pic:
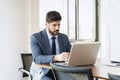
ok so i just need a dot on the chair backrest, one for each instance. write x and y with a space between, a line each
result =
71 73
113 77
26 60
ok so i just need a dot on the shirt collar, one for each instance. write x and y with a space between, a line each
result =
49 35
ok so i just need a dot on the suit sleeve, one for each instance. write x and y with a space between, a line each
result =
68 44
38 56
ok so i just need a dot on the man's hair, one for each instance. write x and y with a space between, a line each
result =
53 16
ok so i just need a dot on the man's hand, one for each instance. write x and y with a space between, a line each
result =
61 57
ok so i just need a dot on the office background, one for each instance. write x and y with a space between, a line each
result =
20 18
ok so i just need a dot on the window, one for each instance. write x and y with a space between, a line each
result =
86 20
78 17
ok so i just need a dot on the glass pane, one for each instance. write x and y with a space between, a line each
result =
71 19
87 20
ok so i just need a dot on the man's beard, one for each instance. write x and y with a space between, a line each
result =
54 32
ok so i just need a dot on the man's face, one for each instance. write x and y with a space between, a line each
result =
53 27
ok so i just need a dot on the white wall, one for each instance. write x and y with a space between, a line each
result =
115 29
35 16
105 29
109 29
14 36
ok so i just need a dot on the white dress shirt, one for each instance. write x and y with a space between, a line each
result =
50 41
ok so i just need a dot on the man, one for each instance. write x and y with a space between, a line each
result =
42 46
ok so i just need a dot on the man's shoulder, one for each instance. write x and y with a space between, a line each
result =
36 34
40 33
62 35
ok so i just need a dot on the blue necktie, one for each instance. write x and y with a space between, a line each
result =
53 46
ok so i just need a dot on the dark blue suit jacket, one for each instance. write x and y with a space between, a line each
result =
41 50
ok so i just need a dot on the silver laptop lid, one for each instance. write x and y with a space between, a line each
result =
83 53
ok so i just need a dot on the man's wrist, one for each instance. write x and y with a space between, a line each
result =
54 58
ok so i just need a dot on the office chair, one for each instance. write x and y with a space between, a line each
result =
113 77
26 60
71 73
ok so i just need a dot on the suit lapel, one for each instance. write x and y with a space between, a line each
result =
47 44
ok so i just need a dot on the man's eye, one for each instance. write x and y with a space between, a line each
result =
54 25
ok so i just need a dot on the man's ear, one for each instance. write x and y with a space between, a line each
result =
46 24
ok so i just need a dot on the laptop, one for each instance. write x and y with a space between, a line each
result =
82 53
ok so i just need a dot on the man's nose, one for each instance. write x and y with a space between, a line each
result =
57 27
